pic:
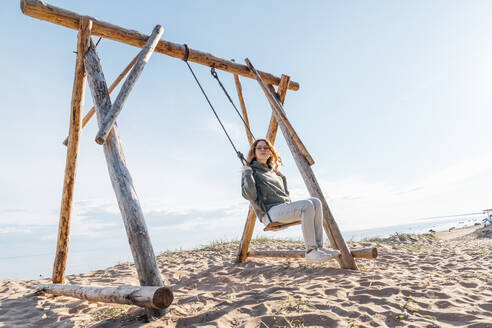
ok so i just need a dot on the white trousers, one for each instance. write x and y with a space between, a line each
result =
310 212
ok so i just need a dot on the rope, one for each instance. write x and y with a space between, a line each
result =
185 59
97 43
214 74
238 153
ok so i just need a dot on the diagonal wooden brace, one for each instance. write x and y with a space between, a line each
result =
131 212
111 116
113 86
331 227
280 115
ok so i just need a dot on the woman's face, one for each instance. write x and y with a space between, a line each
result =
262 152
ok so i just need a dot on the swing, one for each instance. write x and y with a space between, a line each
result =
272 226
276 226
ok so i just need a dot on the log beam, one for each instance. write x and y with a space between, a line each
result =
367 253
76 106
131 212
41 10
130 81
151 297
113 86
336 239
286 254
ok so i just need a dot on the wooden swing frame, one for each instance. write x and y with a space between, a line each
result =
88 68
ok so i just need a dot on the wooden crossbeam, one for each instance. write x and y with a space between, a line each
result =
42 10
367 253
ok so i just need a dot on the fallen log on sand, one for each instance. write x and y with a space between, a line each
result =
145 296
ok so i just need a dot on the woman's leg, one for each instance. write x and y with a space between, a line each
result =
300 210
318 221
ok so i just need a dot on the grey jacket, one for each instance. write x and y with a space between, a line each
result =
260 179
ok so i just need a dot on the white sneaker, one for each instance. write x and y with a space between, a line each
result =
330 252
316 256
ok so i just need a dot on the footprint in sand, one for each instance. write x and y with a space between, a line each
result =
486 306
468 284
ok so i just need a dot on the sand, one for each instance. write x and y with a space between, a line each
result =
439 280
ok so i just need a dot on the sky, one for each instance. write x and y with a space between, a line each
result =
394 106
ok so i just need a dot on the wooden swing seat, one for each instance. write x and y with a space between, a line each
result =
276 226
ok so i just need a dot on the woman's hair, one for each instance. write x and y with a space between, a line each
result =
274 159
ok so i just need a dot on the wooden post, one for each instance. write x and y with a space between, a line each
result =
331 227
136 229
144 57
239 90
76 106
281 92
42 10
145 296
249 226
113 86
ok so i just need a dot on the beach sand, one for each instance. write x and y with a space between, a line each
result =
439 280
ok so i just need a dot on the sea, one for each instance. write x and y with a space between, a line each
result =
24 255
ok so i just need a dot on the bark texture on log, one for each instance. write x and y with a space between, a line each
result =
336 239
44 11
145 296
138 236
77 103
113 86
130 81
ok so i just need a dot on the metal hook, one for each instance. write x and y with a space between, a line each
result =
213 72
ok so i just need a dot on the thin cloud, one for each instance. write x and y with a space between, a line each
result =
13 210
358 203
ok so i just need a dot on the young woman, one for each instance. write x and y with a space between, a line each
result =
266 188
